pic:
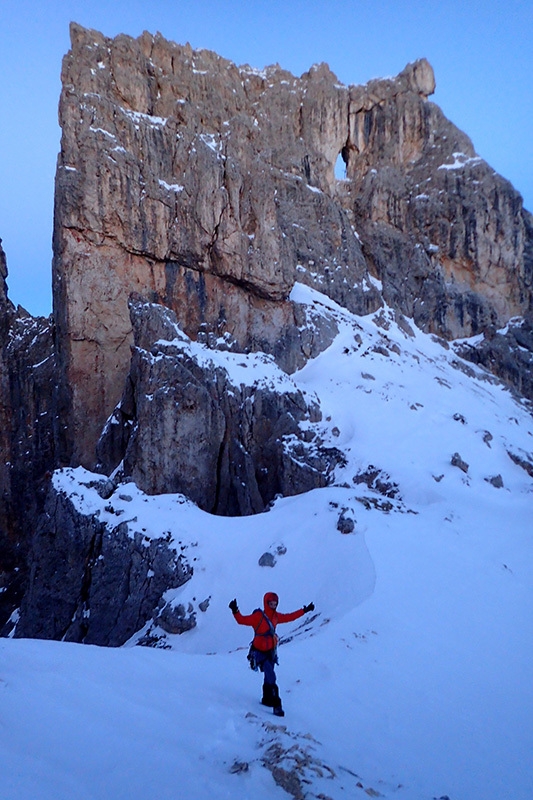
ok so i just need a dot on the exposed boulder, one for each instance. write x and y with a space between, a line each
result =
176 619
457 461
345 523
523 460
267 560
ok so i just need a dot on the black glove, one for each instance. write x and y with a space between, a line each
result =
310 607
234 607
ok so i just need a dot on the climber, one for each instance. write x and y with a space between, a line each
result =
263 650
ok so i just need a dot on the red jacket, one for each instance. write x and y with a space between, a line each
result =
263 639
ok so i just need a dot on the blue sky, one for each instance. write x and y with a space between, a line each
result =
481 52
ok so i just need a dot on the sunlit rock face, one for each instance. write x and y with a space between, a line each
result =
211 188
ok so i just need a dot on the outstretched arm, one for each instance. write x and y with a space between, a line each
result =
296 614
247 619
242 619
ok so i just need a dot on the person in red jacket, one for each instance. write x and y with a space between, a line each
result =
263 650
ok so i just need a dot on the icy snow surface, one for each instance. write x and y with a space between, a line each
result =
412 679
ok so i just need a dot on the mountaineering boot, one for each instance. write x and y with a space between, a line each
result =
276 702
268 696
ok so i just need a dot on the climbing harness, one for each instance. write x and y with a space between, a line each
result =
256 657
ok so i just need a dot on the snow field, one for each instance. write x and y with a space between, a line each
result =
411 680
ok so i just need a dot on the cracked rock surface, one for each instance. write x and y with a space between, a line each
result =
229 432
93 583
211 188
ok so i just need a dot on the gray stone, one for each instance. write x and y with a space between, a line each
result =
267 560
523 460
176 619
345 524
91 583
105 488
457 461
234 448
507 355
377 480
28 417
487 438
239 767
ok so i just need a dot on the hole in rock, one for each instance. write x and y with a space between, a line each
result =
340 168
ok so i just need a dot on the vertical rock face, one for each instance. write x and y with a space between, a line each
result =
27 380
448 236
91 583
202 422
6 545
210 188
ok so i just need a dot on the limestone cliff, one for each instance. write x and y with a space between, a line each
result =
210 188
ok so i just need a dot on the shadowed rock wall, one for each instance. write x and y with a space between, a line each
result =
92 583
186 423
27 414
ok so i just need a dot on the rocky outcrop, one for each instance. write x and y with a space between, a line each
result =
210 188
179 177
507 353
448 237
7 540
93 583
27 381
229 431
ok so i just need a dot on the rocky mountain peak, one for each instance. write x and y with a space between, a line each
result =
211 188
196 204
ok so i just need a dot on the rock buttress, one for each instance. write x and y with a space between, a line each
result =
210 188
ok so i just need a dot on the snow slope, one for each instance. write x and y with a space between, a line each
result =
412 679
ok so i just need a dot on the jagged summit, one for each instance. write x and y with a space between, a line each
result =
211 188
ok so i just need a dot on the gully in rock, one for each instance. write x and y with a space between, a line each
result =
263 650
